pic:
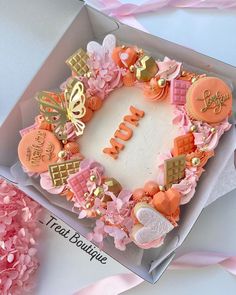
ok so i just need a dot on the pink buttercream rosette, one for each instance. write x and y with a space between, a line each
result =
116 218
18 232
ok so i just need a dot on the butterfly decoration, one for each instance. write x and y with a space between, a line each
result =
59 108
76 106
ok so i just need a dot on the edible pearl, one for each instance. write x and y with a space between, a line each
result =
88 74
193 128
98 212
213 130
162 188
131 68
62 154
88 205
195 161
161 83
194 79
92 177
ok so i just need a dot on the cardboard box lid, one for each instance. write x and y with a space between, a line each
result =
88 25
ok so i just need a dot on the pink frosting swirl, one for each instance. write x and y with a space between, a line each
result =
207 139
181 119
187 186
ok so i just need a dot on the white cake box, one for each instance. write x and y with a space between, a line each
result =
92 25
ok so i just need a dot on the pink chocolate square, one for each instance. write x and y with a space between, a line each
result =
78 182
27 129
178 91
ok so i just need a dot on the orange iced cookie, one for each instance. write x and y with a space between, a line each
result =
37 149
209 99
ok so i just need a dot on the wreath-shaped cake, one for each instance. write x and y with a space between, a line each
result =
50 148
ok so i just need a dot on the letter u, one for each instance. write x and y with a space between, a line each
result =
126 135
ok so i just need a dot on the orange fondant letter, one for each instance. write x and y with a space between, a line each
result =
134 118
114 150
123 135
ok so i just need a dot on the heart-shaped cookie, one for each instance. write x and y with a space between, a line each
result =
124 57
152 225
167 202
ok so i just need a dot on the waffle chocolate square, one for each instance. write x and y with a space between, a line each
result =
174 170
61 171
78 62
184 144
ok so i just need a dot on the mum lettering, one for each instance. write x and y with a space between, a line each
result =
124 132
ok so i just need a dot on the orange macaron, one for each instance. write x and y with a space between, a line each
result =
209 99
37 149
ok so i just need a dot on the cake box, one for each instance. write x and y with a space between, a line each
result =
89 25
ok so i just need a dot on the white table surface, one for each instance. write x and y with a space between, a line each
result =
25 43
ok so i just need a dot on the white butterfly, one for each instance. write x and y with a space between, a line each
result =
107 46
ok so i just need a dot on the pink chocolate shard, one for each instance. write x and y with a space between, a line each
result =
28 129
178 91
78 183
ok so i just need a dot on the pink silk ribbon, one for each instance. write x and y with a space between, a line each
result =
116 8
116 284
125 11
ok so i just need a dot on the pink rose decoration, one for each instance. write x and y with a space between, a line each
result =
169 69
105 75
205 138
115 222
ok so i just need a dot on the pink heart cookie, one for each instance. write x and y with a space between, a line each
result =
152 225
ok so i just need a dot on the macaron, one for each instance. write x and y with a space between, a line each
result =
88 116
209 99
38 149
94 103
